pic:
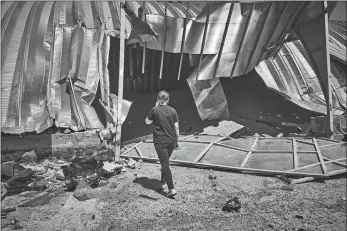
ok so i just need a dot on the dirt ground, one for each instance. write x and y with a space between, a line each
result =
267 204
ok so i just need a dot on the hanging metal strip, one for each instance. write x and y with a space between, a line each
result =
164 41
242 41
203 39
223 39
258 39
182 42
144 44
290 71
273 31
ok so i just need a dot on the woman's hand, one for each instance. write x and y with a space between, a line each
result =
157 103
177 145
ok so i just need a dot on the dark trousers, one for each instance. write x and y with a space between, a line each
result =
164 152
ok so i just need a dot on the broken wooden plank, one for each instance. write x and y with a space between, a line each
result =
231 147
295 154
331 145
302 141
203 153
315 164
138 139
336 162
283 151
149 197
320 157
306 179
126 151
138 151
249 153
230 168
327 139
207 142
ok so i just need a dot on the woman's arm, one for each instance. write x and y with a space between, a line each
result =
177 128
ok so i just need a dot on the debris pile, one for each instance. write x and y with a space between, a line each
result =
81 175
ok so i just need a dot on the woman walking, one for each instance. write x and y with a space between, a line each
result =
165 137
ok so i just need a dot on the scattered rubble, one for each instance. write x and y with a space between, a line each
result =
84 192
149 197
104 154
131 163
111 167
29 158
105 134
211 177
39 182
233 204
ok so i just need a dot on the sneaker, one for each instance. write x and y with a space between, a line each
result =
162 187
171 193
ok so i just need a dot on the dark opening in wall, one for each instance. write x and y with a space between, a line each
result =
138 83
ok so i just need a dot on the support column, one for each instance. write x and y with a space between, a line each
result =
327 81
120 82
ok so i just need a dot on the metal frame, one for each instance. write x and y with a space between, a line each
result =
120 81
296 171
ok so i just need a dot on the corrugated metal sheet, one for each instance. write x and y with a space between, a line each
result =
55 54
291 74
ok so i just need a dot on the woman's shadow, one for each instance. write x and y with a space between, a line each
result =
152 184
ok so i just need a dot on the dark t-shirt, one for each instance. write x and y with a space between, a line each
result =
163 117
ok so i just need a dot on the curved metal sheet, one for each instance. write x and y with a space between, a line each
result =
41 47
304 89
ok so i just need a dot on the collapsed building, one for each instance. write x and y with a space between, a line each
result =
254 63
60 59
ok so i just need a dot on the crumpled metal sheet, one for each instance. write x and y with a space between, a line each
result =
22 71
42 48
209 98
291 73
76 77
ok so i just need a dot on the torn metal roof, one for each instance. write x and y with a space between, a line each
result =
55 54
